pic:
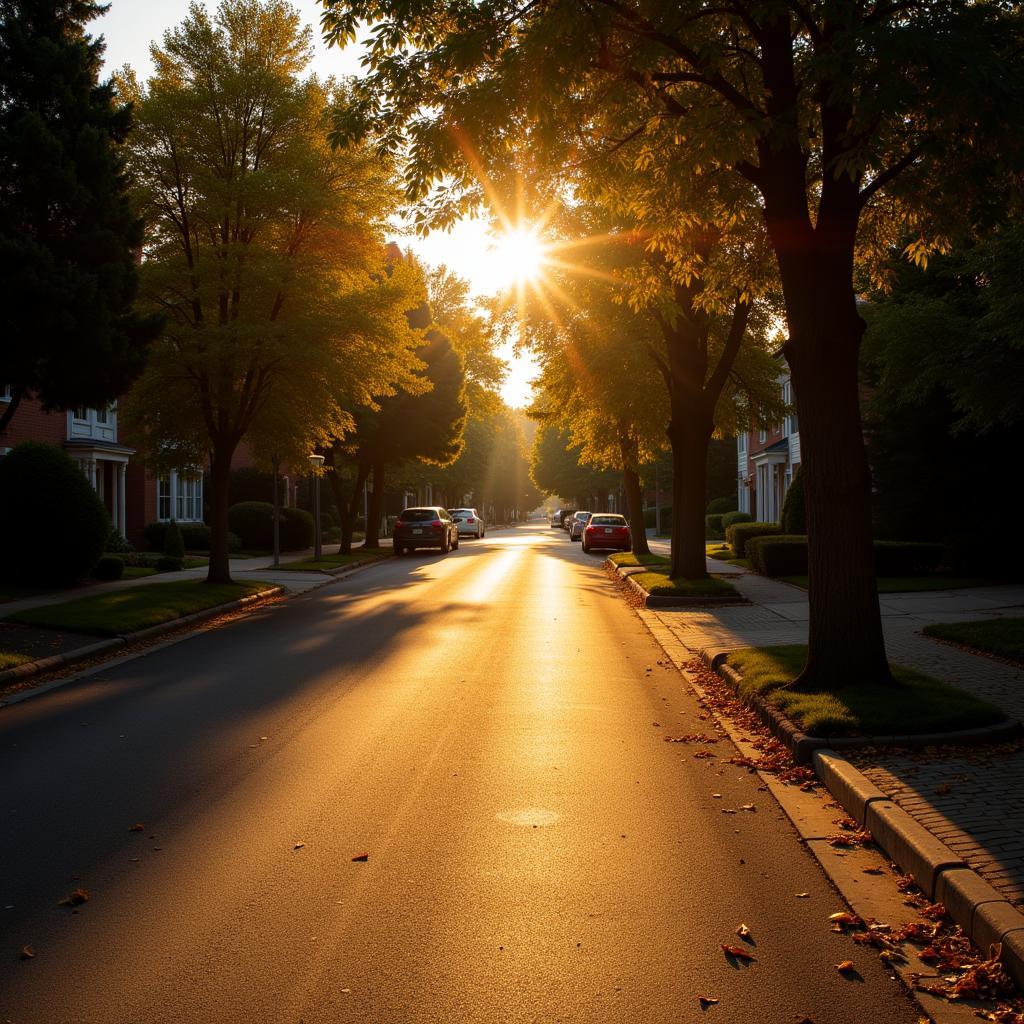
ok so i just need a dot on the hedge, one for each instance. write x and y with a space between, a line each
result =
53 526
666 518
109 567
713 529
739 533
195 535
778 554
174 543
794 516
253 521
716 506
730 518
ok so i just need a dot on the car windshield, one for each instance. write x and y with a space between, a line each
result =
582 516
607 521
418 515
462 512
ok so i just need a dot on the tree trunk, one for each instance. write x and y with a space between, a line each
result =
219 570
635 509
602 499
845 640
376 508
689 431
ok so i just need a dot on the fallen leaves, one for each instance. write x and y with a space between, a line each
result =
802 895
361 857
298 846
848 840
743 932
137 827
76 899
737 952
692 737
706 1001
844 919
846 967
27 953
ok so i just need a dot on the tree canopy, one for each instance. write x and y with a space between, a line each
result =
68 235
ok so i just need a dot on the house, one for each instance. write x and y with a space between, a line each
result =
767 460
132 495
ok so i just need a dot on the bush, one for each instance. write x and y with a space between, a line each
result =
730 518
778 555
168 563
296 529
253 521
666 518
109 567
195 535
53 526
116 544
174 544
716 506
713 529
906 558
794 516
739 533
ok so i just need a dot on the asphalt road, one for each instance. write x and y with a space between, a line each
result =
483 727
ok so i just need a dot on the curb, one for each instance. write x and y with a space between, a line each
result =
32 668
803 747
984 915
626 573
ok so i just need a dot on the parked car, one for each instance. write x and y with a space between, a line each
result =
606 530
576 524
469 521
558 519
430 527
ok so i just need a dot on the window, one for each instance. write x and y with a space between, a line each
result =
101 415
163 498
742 443
762 436
190 499
790 425
5 392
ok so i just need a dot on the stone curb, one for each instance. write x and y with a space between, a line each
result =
32 668
803 746
663 601
984 915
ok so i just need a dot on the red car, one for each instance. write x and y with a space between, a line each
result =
606 531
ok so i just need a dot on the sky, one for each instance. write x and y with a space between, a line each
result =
131 25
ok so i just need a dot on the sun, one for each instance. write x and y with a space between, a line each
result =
519 256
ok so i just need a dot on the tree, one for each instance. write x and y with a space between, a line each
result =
849 122
264 248
557 466
68 235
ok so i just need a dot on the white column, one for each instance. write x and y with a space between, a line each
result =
122 515
173 485
91 463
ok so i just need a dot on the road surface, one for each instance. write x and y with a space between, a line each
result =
483 727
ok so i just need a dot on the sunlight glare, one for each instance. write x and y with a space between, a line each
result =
520 255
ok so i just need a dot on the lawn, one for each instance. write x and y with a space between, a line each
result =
8 659
909 584
133 608
137 572
627 559
657 583
917 704
328 562
1002 637
12 592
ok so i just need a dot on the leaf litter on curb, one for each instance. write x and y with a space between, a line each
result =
737 952
76 899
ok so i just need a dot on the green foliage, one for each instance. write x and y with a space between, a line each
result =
713 528
196 537
174 543
68 235
1002 637
116 544
109 567
778 555
729 518
658 584
907 558
296 529
794 515
253 522
721 505
53 527
739 533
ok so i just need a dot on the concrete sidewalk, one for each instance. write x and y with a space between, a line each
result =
973 800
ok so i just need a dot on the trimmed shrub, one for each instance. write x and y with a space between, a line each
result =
778 555
907 558
650 520
739 533
174 543
117 545
195 535
296 529
794 516
168 563
713 529
109 567
716 506
731 518
53 526
253 521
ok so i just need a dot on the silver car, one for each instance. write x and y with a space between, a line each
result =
469 521
579 521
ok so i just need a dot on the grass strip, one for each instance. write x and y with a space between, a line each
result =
627 559
8 659
909 584
917 703
657 583
132 608
329 562
1001 637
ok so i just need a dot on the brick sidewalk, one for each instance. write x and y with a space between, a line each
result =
973 800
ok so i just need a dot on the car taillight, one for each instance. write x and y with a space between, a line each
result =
470 519
437 524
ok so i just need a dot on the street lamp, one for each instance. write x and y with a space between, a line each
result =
316 461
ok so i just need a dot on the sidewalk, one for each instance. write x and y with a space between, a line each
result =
973 800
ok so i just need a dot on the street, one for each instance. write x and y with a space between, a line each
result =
488 728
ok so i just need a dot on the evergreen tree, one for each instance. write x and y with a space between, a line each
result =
68 236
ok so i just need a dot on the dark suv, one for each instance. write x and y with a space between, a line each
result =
430 527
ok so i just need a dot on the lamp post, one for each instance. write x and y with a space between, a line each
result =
316 461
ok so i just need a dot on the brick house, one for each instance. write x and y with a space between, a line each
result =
767 460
